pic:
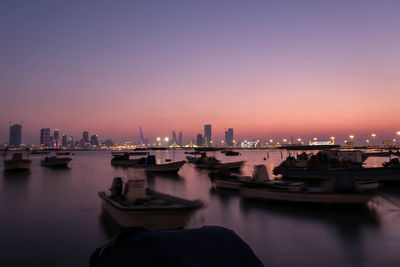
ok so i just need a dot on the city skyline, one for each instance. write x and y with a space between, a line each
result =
265 69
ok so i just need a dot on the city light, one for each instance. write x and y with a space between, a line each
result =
315 138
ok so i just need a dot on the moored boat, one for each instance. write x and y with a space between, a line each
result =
262 192
17 163
172 167
141 207
55 162
323 166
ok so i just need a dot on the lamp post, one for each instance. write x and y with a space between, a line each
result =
367 142
333 140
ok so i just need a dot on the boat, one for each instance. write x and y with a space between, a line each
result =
227 180
17 163
124 160
206 162
264 192
63 153
55 161
230 153
172 167
322 165
139 206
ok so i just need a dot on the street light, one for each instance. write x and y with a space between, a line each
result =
333 140
352 137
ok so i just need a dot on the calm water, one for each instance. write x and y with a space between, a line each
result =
51 217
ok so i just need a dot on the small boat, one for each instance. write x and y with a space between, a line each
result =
63 153
327 191
226 180
264 192
172 167
17 163
347 165
55 162
230 153
206 162
124 160
142 207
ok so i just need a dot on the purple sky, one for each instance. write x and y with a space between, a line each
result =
268 69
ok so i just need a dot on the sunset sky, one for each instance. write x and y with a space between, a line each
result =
268 69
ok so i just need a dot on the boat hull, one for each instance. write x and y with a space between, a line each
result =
173 167
263 193
228 166
227 184
60 162
175 216
375 174
15 165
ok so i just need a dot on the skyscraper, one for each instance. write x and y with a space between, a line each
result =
93 140
56 137
173 139
64 140
85 137
180 139
207 135
229 137
45 137
199 140
15 135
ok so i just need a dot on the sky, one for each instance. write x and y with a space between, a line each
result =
267 69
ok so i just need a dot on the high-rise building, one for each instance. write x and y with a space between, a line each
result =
207 135
180 139
85 137
64 140
173 139
229 137
71 141
56 137
199 140
93 140
45 137
15 135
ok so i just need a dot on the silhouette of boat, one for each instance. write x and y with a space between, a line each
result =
17 163
142 207
55 162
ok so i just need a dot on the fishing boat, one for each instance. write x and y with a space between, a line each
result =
227 180
212 163
264 192
17 163
55 161
172 167
230 153
141 207
63 153
322 165
124 160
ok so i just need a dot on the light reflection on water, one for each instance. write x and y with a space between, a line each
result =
52 217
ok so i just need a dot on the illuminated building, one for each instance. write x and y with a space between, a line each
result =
45 137
64 140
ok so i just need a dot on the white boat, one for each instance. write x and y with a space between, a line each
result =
17 162
55 162
142 207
